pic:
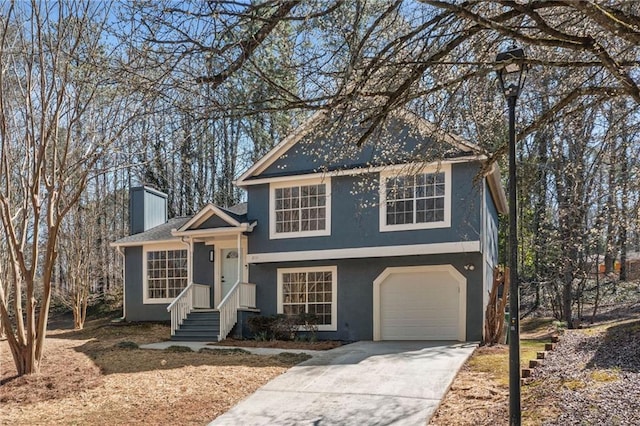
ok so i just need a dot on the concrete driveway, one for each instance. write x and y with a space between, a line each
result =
364 383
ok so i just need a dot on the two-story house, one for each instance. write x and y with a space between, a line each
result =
392 240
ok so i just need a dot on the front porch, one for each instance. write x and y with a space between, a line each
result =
192 318
217 241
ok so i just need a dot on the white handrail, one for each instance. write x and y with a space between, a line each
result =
180 307
247 295
241 295
228 309
193 295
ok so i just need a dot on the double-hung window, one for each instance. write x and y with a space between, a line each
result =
166 274
310 291
416 201
300 209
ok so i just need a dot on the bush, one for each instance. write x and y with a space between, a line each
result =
127 345
261 325
176 348
285 327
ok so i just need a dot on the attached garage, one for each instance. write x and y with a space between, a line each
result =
420 303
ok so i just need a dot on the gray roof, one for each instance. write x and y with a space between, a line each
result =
158 233
238 212
163 232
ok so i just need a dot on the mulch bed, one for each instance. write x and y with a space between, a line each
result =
321 345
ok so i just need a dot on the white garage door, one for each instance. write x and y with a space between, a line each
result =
422 303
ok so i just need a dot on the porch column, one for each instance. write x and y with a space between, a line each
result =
240 278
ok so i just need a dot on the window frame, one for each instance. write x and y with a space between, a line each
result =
334 292
273 235
146 300
445 223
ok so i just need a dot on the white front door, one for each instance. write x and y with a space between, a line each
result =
229 270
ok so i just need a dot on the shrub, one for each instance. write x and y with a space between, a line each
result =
176 348
127 345
285 327
261 325
309 323
262 336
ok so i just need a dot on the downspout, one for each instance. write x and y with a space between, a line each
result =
120 250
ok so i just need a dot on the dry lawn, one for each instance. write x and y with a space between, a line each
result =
92 377
479 395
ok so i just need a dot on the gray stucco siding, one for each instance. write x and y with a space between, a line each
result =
214 222
355 216
336 150
355 290
135 309
202 267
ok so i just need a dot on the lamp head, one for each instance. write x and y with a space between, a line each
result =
511 69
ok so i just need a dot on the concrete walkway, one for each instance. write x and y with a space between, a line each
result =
364 383
196 346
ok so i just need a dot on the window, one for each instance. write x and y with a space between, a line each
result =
300 210
415 201
166 274
309 290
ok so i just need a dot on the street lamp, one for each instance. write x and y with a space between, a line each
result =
511 70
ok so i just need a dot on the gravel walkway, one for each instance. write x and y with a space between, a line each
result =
596 373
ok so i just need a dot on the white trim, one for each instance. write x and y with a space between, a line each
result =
205 213
431 129
213 232
497 189
361 170
334 292
484 213
426 127
145 243
289 141
462 301
446 223
361 252
175 245
273 235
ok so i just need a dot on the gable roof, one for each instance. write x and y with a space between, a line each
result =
368 156
281 148
230 217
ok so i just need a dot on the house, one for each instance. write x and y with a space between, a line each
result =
392 240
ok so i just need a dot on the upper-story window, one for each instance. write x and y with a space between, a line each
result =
300 209
415 201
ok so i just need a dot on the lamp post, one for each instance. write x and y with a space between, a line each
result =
511 73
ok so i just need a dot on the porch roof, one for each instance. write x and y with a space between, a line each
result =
155 234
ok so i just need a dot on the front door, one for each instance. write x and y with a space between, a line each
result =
229 273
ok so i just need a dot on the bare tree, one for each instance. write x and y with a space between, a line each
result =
60 110
78 269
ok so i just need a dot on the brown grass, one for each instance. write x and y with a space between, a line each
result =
88 378
479 394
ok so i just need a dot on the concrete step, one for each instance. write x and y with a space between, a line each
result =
197 327
208 322
196 338
204 315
